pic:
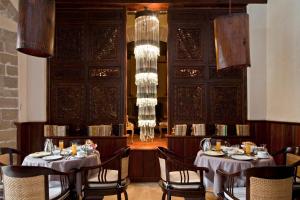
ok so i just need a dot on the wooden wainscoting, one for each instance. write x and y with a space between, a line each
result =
30 136
276 135
143 165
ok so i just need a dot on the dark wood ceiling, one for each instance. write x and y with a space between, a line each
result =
151 4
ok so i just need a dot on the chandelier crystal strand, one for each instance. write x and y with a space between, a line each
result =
146 51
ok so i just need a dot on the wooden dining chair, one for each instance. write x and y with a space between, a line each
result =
268 183
32 183
287 155
14 156
105 179
178 178
9 156
296 183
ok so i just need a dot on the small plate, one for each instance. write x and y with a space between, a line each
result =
242 157
40 154
80 156
52 158
263 157
65 152
214 153
236 152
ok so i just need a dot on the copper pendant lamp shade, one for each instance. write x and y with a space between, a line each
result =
36 27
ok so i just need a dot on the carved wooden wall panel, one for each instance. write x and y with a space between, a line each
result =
189 43
68 103
104 42
103 103
87 73
71 36
197 92
189 103
226 104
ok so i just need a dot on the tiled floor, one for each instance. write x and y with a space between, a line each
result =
149 191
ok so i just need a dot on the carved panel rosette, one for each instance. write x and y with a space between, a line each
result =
104 106
189 43
104 42
226 104
189 103
189 72
68 103
69 42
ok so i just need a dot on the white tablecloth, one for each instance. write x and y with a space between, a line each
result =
211 179
65 165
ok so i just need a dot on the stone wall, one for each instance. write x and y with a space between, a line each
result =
8 74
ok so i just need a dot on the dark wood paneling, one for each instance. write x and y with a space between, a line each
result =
197 92
150 4
30 136
276 135
143 166
87 74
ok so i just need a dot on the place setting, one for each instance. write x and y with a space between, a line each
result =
53 153
247 151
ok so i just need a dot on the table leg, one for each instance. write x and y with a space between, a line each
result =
160 131
132 134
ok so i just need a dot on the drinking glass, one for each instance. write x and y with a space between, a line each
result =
61 144
74 149
248 149
218 146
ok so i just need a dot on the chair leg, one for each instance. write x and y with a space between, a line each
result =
125 195
163 196
119 196
169 196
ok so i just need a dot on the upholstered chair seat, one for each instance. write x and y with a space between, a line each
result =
179 179
108 179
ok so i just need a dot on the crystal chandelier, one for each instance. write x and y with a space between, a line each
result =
146 51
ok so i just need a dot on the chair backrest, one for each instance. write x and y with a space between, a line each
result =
221 129
19 181
198 129
12 156
291 159
288 156
100 130
124 163
242 130
269 183
180 129
31 183
169 161
162 159
119 161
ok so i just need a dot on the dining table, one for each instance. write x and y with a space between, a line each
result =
66 164
228 164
